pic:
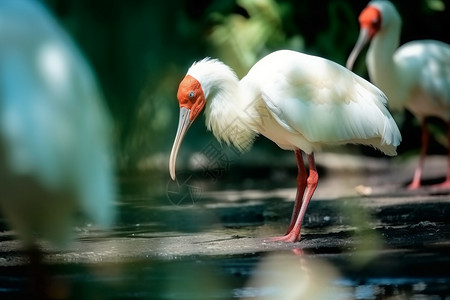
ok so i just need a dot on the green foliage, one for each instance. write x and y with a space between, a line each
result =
140 50
242 40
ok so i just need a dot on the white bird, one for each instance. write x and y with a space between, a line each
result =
415 76
298 101
55 134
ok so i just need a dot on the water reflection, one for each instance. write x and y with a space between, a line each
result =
293 276
212 249
282 275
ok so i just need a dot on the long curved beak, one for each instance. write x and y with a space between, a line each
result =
363 39
183 125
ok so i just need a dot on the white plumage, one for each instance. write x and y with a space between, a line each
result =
318 102
416 76
300 102
55 134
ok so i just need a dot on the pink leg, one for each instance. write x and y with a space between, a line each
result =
446 183
301 186
294 233
415 184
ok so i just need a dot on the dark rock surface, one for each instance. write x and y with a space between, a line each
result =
364 237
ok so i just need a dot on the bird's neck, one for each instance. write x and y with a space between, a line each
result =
229 115
381 66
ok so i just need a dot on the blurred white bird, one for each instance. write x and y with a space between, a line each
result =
55 135
415 76
300 102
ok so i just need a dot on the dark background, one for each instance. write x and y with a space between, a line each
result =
140 50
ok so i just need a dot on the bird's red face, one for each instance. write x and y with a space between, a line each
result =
370 20
370 24
192 101
190 95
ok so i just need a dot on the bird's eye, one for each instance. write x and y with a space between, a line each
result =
191 94
376 23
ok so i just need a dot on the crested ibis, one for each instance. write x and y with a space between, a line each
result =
416 76
298 101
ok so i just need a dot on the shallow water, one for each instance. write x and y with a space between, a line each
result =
233 277
205 240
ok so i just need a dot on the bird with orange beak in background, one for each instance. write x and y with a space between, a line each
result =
415 76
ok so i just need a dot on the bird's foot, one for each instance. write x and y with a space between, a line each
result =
415 185
442 186
290 237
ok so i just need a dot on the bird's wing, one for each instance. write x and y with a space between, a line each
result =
326 103
430 61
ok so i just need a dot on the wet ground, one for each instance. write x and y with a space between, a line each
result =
203 237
